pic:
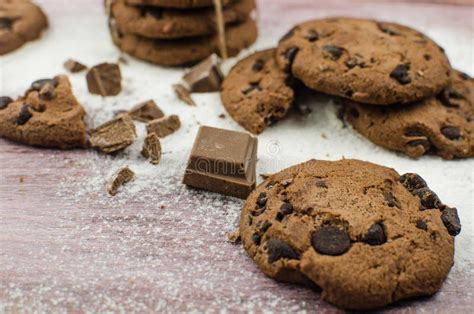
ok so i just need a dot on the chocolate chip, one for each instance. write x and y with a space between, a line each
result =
285 209
387 30
6 23
427 57
420 224
400 73
428 198
335 51
278 249
262 200
451 221
354 62
390 199
258 65
375 235
256 238
414 133
412 182
24 116
4 102
449 96
252 87
312 35
330 240
265 226
464 76
288 35
290 55
38 85
452 133
425 143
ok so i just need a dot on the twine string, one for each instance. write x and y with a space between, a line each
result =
220 28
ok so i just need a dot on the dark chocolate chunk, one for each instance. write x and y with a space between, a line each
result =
38 85
74 66
223 161
4 102
104 79
183 94
450 97
428 198
205 77
256 238
390 199
400 74
375 235
262 200
146 111
425 143
286 209
353 62
334 51
24 115
414 133
290 55
330 240
451 133
265 226
451 220
258 65
278 250
420 224
312 35
384 28
412 182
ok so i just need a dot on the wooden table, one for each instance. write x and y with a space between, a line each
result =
66 246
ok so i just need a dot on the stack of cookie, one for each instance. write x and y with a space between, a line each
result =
184 32
396 84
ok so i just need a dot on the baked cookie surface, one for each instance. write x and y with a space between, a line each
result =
256 92
365 235
188 51
48 116
159 23
177 4
20 21
364 60
442 125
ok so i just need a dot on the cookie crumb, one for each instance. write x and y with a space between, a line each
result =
114 135
152 148
146 111
234 237
183 94
164 126
74 66
104 79
119 179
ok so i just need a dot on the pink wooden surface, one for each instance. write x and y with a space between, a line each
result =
60 252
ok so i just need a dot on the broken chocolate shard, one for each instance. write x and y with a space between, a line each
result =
164 126
183 94
146 111
152 148
74 66
223 161
206 76
119 179
114 135
104 79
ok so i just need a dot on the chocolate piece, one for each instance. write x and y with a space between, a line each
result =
152 148
119 179
420 224
278 249
400 73
451 220
164 126
104 79
183 94
47 92
74 66
38 84
146 111
4 102
428 198
223 161
205 77
375 235
412 182
334 52
451 133
330 240
114 135
24 115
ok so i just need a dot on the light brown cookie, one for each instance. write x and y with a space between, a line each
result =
20 21
48 116
159 23
363 234
256 92
177 4
188 51
442 125
365 60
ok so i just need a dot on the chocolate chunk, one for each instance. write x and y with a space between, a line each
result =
4 102
312 35
146 111
420 224
390 199
47 92
265 226
164 126
183 94
152 148
206 76
290 55
412 182
38 85
400 74
451 220
262 200
384 28
114 135
451 133
74 66
335 52
223 161
104 79
353 62
428 198
414 133
258 65
120 178
24 115
425 143
256 238
278 250
450 97
375 235
286 209
330 240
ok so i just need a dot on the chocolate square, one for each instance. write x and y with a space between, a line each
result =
223 161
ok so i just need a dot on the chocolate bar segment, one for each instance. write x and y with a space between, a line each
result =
205 77
223 161
104 79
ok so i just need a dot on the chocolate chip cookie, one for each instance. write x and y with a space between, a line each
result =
48 115
20 21
177 4
159 23
363 234
442 125
256 92
188 51
365 60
